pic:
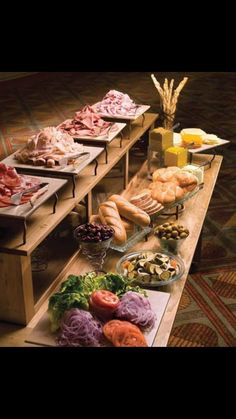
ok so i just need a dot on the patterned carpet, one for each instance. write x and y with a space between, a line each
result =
206 315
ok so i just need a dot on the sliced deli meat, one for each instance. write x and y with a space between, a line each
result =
11 183
87 123
48 148
117 103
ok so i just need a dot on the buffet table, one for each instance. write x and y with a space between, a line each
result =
22 293
193 217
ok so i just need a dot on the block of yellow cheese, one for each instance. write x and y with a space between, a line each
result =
160 139
192 137
176 156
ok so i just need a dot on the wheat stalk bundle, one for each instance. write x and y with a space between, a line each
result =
169 98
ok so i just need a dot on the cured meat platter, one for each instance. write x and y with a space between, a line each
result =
140 110
23 211
118 105
115 129
88 155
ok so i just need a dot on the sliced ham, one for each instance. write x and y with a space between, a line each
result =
48 143
117 103
86 123
11 182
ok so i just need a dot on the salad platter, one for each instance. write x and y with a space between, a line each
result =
149 305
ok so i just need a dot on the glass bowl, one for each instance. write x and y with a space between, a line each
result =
94 251
152 283
170 245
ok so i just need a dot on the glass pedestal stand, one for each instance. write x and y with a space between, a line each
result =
95 253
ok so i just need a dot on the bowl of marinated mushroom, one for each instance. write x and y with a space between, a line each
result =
170 236
151 269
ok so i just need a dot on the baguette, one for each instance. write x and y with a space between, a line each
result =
128 225
109 214
130 211
95 219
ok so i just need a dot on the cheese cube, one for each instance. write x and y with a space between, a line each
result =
176 156
160 139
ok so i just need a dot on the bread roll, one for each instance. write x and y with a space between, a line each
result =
130 211
168 192
186 180
109 214
165 174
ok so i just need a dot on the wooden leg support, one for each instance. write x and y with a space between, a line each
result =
16 289
89 205
126 170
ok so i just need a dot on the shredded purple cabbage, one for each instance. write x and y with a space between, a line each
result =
137 309
79 328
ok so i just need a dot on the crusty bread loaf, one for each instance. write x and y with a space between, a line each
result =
128 225
109 214
130 211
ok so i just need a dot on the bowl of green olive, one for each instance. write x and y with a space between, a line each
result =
171 236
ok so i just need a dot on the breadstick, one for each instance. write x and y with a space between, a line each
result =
157 85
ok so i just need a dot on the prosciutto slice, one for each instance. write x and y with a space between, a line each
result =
48 148
11 182
86 123
117 103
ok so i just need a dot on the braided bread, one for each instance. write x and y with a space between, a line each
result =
130 211
165 174
167 192
186 180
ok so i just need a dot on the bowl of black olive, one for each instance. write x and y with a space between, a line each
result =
171 236
94 241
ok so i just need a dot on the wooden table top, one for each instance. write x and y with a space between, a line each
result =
193 218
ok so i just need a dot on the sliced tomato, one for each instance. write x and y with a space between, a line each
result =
124 336
110 327
105 299
103 313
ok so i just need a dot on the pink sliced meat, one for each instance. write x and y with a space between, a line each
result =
43 146
11 182
86 123
117 103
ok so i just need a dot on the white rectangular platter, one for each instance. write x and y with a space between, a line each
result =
41 334
114 131
25 210
204 147
74 169
140 111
